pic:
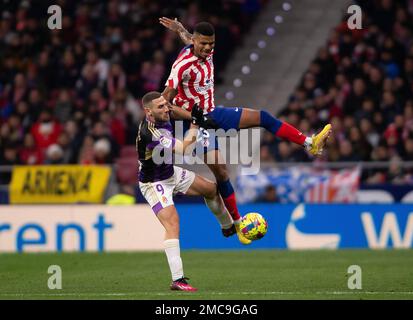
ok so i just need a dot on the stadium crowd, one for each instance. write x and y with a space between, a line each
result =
362 82
73 95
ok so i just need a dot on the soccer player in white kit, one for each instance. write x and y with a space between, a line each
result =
159 180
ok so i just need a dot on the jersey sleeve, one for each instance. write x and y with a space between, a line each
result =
175 77
178 69
173 80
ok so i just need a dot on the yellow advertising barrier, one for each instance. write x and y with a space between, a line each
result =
58 184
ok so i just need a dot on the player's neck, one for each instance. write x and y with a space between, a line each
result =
196 55
150 119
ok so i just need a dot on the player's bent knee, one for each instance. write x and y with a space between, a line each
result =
214 190
211 191
221 173
169 217
223 176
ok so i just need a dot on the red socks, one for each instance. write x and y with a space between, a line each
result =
288 132
231 204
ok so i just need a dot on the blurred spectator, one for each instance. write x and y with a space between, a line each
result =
19 90
347 153
64 105
54 154
102 151
68 71
265 154
22 110
36 103
269 196
86 83
29 154
75 137
8 158
46 130
396 174
63 141
86 154
116 124
360 146
96 104
116 80
16 129
284 152
408 149
97 65
100 131
357 95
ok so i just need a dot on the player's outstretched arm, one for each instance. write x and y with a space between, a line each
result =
169 93
176 26
189 139
177 113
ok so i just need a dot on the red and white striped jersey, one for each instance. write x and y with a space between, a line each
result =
193 77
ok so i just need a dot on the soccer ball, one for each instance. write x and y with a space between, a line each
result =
253 226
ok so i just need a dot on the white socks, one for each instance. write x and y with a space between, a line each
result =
308 142
218 209
174 258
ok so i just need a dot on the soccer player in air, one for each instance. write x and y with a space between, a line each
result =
159 180
191 82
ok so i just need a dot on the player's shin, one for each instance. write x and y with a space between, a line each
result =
173 255
218 209
228 196
282 129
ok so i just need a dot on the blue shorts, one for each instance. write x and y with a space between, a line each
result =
226 117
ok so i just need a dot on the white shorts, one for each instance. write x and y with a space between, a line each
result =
160 194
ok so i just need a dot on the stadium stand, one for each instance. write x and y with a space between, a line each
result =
73 95
362 82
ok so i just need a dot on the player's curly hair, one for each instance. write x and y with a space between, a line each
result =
204 28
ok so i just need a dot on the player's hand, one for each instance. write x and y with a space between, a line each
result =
170 106
173 25
197 114
201 120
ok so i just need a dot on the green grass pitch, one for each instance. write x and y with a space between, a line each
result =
255 274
